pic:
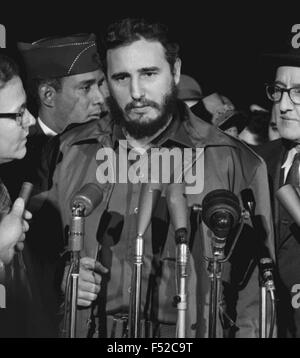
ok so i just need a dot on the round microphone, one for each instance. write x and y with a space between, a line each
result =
221 211
88 197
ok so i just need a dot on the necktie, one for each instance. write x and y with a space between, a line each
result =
293 176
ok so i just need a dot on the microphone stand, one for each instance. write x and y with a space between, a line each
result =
75 246
263 311
181 264
149 196
266 286
215 271
135 307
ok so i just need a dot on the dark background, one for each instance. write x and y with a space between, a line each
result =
221 43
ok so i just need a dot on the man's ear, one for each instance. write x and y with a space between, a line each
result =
177 70
47 95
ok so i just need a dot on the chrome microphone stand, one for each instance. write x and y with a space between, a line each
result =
149 196
182 255
135 306
266 286
75 246
214 269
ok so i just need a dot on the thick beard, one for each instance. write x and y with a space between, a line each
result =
139 130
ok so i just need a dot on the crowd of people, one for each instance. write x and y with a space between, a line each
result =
103 110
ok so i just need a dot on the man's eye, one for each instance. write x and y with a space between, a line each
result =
86 88
296 91
121 78
149 74
277 89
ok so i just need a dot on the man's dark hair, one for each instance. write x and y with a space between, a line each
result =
35 83
129 30
258 124
8 69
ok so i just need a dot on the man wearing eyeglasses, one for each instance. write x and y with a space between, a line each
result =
15 121
282 158
64 78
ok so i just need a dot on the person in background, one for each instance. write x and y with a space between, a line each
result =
273 132
282 159
256 131
15 121
63 79
189 90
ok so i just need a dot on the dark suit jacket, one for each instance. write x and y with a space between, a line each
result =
287 239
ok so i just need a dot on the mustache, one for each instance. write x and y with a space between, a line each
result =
141 103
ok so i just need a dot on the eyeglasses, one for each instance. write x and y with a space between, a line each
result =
274 93
18 117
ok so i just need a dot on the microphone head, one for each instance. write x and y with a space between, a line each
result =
177 205
89 197
221 211
149 196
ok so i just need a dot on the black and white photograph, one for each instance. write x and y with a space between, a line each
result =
149 172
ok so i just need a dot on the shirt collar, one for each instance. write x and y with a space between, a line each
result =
48 131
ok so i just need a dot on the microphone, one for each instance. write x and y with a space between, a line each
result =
25 192
220 212
177 206
290 200
266 271
87 198
82 205
150 193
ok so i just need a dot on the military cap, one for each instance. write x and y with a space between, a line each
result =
60 56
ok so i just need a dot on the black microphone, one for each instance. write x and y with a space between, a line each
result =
266 272
87 198
82 205
220 212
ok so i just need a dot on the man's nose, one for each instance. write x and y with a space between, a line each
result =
98 97
285 104
136 89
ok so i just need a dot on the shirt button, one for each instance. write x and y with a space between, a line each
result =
136 210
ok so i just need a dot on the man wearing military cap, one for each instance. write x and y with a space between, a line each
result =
65 76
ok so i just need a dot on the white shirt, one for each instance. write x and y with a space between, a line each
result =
48 131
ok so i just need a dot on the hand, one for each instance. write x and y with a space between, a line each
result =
89 280
12 230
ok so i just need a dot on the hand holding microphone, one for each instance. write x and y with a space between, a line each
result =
14 225
82 204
